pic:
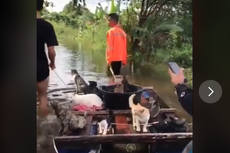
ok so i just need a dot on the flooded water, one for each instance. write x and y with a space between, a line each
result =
67 59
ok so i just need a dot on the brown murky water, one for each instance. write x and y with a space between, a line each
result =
66 60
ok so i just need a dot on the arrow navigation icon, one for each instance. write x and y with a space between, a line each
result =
210 92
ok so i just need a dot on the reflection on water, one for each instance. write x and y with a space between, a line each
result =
67 60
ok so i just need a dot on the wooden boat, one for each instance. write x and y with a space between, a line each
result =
168 133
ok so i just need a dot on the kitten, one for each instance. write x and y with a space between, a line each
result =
140 115
119 88
68 119
83 86
125 83
79 83
104 124
123 87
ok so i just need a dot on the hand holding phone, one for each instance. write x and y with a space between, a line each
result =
175 69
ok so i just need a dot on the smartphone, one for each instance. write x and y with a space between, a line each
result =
174 67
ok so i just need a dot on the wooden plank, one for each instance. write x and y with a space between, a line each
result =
147 88
125 138
131 127
60 89
120 112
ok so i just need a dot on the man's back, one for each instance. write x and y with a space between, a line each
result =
117 41
116 52
44 35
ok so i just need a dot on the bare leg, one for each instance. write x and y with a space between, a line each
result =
42 88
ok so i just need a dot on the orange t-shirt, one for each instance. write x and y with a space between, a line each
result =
116 45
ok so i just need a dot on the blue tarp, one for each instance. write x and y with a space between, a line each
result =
145 94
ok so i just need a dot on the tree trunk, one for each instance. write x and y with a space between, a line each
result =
135 47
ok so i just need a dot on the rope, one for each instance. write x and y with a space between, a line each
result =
60 78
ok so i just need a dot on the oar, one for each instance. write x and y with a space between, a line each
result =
111 70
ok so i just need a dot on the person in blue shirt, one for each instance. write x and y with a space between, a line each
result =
184 96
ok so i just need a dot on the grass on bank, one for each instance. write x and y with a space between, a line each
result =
93 42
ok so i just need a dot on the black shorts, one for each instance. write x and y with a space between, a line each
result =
42 71
116 66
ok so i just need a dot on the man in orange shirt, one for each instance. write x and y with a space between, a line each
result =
116 52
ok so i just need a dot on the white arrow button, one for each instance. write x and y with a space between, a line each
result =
210 92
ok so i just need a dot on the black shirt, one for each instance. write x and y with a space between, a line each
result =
45 35
185 97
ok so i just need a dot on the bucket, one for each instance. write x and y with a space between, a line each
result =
120 101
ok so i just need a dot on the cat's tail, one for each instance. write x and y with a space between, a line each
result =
131 100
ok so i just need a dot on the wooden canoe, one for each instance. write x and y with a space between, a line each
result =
158 139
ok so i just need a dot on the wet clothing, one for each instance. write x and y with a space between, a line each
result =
116 45
45 35
185 98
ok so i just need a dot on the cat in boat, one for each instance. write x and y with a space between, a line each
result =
123 87
79 83
68 119
88 100
83 86
119 88
140 115
104 124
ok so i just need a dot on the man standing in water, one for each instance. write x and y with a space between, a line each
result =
45 35
116 52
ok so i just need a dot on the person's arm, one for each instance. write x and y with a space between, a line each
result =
185 97
51 41
109 48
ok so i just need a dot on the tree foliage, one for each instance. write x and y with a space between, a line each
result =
158 30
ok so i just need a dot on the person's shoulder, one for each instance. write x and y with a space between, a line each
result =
45 23
123 30
110 30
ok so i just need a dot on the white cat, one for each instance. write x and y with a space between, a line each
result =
103 127
140 115
88 100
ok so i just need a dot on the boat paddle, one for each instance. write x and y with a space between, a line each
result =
111 70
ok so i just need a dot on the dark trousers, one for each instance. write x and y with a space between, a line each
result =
116 67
